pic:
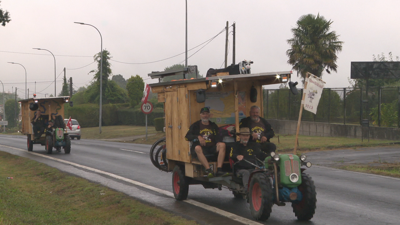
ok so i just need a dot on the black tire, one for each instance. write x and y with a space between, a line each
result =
260 197
237 195
72 138
153 151
161 158
49 144
180 184
305 209
67 147
29 143
79 138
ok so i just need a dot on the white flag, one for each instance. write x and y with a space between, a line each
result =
313 92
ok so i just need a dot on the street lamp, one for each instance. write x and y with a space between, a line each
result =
101 72
25 77
4 108
55 92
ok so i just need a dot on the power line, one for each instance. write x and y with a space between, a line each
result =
81 67
208 41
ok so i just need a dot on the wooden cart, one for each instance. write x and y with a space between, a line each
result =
229 98
57 137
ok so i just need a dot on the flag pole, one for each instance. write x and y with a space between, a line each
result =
300 114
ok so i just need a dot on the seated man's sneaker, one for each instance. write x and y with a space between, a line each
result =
221 173
209 173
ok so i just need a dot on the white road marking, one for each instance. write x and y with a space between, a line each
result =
166 193
128 150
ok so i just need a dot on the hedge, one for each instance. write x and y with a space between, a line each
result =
159 123
113 114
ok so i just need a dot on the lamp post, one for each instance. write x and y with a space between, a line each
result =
101 72
4 108
25 76
55 84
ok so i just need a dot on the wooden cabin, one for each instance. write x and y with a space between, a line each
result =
227 97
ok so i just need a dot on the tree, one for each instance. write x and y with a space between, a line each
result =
120 80
177 77
4 17
135 87
12 112
65 89
313 46
106 69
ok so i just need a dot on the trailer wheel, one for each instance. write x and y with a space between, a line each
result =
153 151
260 196
305 209
161 158
49 144
67 147
180 184
29 143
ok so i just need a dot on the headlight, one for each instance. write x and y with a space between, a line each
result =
303 158
276 157
308 164
272 154
294 177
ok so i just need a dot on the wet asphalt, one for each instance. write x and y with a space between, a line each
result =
343 197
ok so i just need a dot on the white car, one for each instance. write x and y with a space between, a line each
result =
76 129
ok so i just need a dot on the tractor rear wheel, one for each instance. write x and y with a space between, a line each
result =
260 196
49 144
180 183
29 143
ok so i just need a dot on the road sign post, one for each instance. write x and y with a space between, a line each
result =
146 108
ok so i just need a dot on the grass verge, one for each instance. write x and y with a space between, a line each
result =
39 194
379 168
109 132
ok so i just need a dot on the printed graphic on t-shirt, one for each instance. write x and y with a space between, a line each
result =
208 136
259 130
250 151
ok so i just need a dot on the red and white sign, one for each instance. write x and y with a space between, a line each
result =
69 123
147 108
146 93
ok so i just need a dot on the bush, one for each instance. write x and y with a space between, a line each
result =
137 117
159 123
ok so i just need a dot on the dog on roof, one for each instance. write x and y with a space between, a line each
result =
243 67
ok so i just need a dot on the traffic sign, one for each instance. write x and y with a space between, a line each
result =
147 108
4 123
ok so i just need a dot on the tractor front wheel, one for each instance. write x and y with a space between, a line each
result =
305 209
260 196
67 147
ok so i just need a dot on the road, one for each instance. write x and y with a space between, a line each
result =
343 197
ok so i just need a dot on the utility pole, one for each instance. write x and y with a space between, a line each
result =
226 44
70 87
234 43
15 108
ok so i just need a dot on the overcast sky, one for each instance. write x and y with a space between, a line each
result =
136 32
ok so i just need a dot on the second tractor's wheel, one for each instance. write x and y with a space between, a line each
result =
180 183
260 196
305 209
67 147
29 143
49 144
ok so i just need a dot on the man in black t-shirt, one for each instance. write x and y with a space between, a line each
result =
204 134
38 124
261 130
250 151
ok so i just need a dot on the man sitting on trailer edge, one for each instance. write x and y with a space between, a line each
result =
243 151
261 130
204 134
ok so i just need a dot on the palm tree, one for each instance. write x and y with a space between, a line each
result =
313 46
